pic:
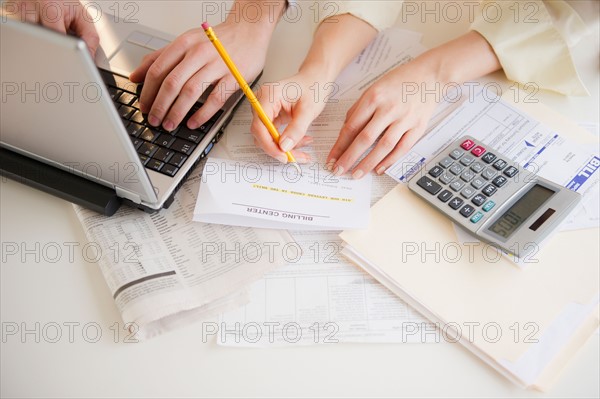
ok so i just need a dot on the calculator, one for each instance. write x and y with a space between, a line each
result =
492 197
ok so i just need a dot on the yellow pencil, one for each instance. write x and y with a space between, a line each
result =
247 90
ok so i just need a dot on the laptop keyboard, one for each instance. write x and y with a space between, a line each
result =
159 150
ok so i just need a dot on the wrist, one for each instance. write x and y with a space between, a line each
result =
258 16
319 71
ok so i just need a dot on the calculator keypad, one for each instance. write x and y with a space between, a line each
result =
455 203
466 177
456 169
467 144
467 160
456 153
500 164
436 171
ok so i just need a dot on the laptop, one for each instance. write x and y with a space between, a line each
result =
71 125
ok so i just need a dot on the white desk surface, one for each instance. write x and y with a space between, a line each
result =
179 363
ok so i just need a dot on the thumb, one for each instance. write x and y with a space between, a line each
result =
295 130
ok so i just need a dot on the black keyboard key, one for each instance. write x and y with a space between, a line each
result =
178 159
149 135
163 154
114 93
206 127
126 98
147 149
445 196
121 82
183 146
134 129
137 143
489 190
165 140
455 203
169 170
478 199
190 135
467 210
488 158
499 181
144 159
436 171
500 164
511 171
138 117
429 185
126 111
154 164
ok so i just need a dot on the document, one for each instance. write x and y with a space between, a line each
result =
319 293
164 270
274 195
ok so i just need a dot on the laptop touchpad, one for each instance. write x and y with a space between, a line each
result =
128 58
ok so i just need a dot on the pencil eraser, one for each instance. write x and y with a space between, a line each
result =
205 25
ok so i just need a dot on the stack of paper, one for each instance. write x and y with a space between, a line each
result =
523 322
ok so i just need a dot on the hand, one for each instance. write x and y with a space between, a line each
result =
395 119
297 112
381 117
177 75
61 16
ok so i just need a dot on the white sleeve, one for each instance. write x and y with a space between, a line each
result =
535 46
380 14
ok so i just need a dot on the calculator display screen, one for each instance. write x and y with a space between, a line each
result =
510 221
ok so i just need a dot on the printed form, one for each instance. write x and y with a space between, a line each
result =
274 195
319 296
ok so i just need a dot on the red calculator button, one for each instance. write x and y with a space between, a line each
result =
467 145
478 151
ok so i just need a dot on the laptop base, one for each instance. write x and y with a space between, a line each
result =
58 182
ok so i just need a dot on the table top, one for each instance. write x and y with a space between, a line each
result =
70 297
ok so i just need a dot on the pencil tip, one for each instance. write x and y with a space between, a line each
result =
297 167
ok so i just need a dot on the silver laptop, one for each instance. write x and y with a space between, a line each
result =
69 124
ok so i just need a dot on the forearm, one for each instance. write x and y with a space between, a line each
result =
335 44
468 57
261 15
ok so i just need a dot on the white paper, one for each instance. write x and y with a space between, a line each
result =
275 195
321 294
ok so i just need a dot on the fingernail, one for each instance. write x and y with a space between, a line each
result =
192 125
143 108
329 165
286 144
338 171
357 174
153 120
282 158
168 125
303 158
380 170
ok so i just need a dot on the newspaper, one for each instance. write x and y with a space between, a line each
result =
165 271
